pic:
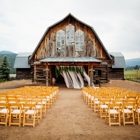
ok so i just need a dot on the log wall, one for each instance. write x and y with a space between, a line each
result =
116 74
103 78
23 73
40 74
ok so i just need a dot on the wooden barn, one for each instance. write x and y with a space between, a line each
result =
72 43
23 69
117 69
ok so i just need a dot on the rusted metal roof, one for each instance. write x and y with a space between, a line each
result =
21 60
70 59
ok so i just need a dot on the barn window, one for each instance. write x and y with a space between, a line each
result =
79 40
69 35
60 41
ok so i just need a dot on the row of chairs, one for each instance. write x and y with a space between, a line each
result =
114 104
24 107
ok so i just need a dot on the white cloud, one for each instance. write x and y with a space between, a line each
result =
117 23
133 54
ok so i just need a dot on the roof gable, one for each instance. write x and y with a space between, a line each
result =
74 18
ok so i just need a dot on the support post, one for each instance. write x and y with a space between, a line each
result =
35 73
91 70
51 75
47 76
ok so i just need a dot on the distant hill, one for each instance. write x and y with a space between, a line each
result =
11 59
132 62
6 52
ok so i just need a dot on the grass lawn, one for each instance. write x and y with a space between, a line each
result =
133 75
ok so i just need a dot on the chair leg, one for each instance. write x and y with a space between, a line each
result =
106 117
109 120
133 118
119 119
6 119
23 119
34 121
10 120
19 119
138 118
123 119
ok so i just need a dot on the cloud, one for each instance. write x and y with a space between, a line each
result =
117 23
129 55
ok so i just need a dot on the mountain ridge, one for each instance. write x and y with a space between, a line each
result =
132 62
6 52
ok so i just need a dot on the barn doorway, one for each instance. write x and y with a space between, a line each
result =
70 76
58 80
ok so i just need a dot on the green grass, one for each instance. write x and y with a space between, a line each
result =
133 75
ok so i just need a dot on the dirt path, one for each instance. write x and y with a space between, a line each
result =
70 118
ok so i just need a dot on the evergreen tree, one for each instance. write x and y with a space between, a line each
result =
4 69
136 67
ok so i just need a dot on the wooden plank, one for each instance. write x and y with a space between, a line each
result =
40 79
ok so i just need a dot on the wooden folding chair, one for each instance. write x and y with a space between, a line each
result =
103 105
138 112
3 100
118 100
89 99
15 111
52 98
95 103
113 114
44 104
30 115
128 113
4 113
12 101
39 107
3 96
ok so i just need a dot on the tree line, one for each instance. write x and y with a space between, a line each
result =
137 67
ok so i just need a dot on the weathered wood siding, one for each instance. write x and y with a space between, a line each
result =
103 71
92 46
116 73
23 73
40 74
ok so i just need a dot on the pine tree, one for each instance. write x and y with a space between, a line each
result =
136 67
4 69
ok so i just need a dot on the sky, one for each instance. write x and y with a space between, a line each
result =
117 22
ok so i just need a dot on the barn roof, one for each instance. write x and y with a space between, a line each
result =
21 60
78 21
70 59
119 61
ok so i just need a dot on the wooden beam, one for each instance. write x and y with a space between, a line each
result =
72 64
